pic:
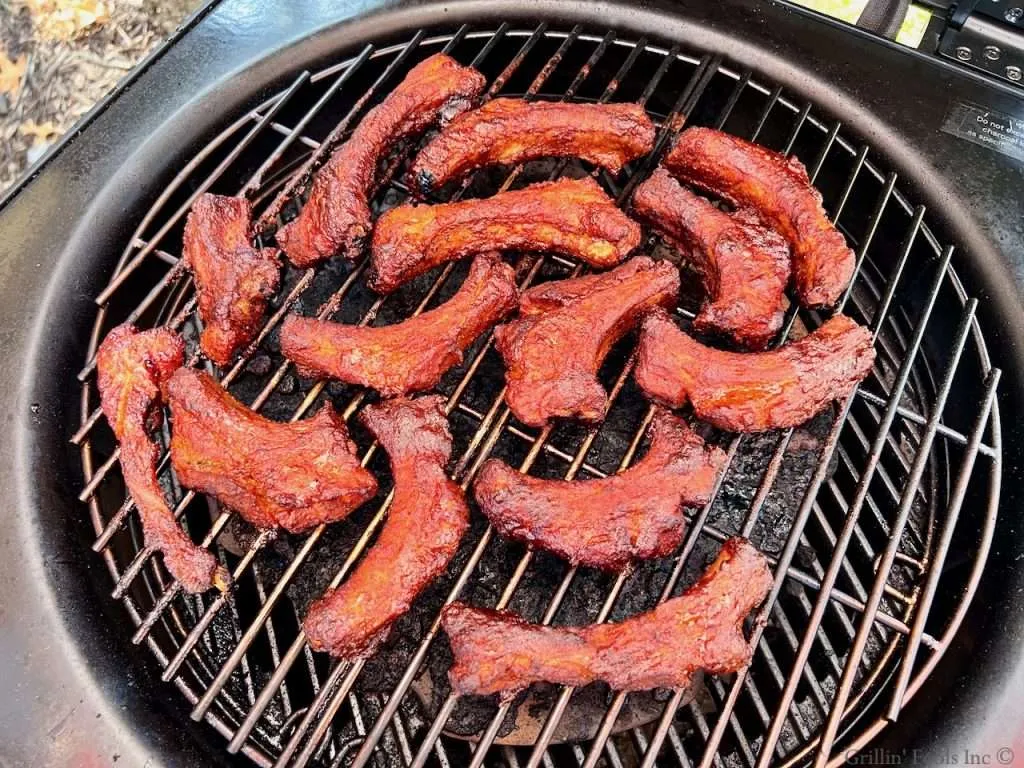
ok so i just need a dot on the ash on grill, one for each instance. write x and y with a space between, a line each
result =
526 717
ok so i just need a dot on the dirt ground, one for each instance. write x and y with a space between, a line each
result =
59 57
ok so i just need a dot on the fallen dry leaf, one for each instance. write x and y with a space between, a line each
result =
64 19
39 132
11 73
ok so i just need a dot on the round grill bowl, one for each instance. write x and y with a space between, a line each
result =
917 450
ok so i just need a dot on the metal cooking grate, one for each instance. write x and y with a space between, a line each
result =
859 511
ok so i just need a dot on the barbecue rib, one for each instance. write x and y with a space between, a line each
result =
497 652
552 352
293 476
745 265
427 519
570 216
336 217
412 355
607 523
511 131
748 175
755 391
234 280
132 367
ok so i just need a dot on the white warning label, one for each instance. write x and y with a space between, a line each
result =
987 127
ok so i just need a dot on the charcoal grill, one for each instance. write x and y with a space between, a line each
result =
878 517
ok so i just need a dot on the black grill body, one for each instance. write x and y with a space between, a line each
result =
80 693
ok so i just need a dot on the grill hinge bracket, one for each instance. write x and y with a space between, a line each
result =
987 35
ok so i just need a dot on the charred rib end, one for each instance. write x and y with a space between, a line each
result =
423 182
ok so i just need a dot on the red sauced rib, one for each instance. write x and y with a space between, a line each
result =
513 131
410 356
131 368
427 519
702 629
745 265
293 475
778 188
336 217
755 391
234 280
607 523
554 349
574 217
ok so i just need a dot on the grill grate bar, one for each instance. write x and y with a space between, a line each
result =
884 474
275 649
835 593
734 97
739 737
301 176
942 548
889 557
890 183
951 434
323 722
879 427
782 621
800 121
530 439
772 101
296 133
137 260
799 522
698 82
850 465
866 476
214 608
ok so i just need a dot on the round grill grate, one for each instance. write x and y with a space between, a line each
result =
856 509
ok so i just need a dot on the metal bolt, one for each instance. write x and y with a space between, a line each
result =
963 53
992 52
1014 74
1013 15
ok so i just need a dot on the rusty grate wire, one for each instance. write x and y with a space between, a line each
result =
858 512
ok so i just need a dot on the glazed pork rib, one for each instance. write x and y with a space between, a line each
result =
702 629
745 265
336 217
570 216
756 391
234 280
778 188
132 367
293 475
427 519
410 356
512 131
612 521
554 349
